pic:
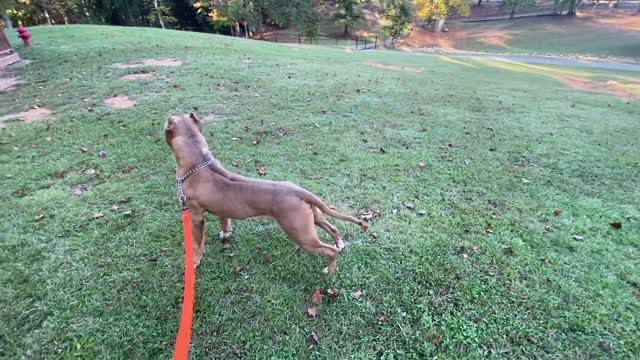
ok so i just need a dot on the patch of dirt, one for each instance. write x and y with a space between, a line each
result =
148 62
28 116
393 67
625 91
120 102
142 76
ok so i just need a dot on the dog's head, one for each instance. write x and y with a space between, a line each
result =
183 128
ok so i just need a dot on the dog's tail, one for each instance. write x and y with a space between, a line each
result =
315 201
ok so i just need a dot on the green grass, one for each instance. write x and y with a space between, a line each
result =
591 35
74 287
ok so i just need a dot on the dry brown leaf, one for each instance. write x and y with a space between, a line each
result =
39 216
409 206
357 294
83 149
557 212
374 235
332 293
262 171
316 297
103 153
312 312
381 320
97 216
616 225
525 181
578 237
256 141
114 207
462 251
489 228
127 169
316 125
49 139
90 171
314 339
153 259
421 164
232 254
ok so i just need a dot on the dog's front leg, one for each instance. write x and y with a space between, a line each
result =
225 228
197 231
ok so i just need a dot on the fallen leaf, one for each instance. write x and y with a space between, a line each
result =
548 228
489 228
475 249
578 237
97 216
176 86
39 216
163 252
312 312
357 294
125 200
616 225
508 250
80 188
90 171
127 169
437 339
364 227
422 212
235 164
135 285
103 154
127 213
83 149
409 206
557 212
545 262
381 320
332 293
374 235
421 164
316 297
314 339
232 254
49 139
462 251
114 207
226 245
382 150
262 171
234 139
256 141
366 215
525 181
153 259
316 125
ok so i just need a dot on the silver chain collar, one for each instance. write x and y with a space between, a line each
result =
180 180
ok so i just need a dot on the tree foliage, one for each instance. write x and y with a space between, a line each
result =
399 18
439 9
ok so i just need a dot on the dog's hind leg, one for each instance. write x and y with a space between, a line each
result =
300 229
325 225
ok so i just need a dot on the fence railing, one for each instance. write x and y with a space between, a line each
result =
348 42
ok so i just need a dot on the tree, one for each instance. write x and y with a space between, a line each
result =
570 6
515 5
398 16
427 10
347 13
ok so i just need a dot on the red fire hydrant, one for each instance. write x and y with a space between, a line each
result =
24 34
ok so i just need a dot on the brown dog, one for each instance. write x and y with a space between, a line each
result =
231 196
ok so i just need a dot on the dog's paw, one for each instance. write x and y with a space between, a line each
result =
225 235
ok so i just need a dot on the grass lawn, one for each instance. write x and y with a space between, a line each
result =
605 34
498 145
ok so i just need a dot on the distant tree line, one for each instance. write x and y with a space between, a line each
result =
250 18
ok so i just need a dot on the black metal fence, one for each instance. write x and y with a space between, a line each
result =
348 42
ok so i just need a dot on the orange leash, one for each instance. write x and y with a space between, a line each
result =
181 351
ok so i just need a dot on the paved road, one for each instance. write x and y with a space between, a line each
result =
530 59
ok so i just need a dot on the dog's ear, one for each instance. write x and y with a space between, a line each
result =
170 125
195 119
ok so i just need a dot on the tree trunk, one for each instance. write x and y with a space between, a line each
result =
513 13
440 24
155 6
46 14
346 30
7 21
479 2
246 29
237 25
